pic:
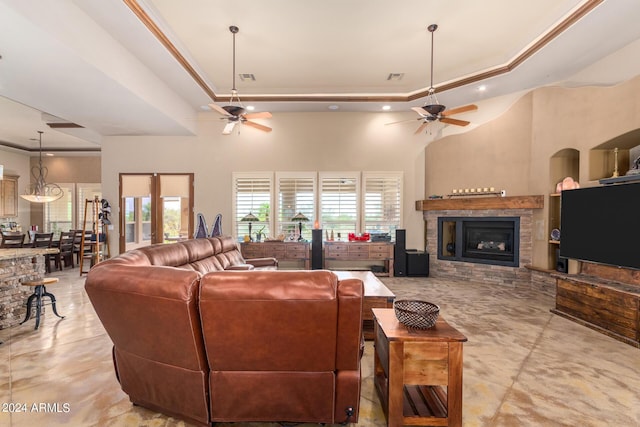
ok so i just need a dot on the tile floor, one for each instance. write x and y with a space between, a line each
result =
523 366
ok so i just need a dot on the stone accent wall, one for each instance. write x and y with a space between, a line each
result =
13 295
544 282
500 275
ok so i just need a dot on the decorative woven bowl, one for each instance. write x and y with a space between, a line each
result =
416 314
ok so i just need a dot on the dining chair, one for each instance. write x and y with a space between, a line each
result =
12 240
65 248
43 240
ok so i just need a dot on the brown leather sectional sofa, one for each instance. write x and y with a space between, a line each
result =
201 343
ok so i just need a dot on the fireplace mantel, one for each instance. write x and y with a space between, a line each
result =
469 203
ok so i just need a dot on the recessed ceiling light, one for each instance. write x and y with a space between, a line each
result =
386 107
49 154
482 88
250 107
333 107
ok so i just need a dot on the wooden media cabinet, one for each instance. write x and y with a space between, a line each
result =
604 298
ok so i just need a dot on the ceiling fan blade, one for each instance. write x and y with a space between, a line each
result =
403 121
421 128
420 111
219 109
261 115
456 122
257 126
228 128
463 109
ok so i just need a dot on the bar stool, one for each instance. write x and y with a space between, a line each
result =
38 292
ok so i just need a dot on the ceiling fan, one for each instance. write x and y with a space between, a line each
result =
235 114
432 110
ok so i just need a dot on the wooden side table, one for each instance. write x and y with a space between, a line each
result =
418 373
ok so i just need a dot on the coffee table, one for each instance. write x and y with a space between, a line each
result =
376 295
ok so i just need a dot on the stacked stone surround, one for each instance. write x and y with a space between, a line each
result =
12 294
497 274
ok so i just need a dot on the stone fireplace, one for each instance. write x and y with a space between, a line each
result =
484 240
492 238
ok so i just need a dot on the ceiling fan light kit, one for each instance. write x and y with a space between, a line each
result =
432 110
235 114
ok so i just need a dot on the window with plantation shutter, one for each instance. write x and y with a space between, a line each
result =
296 194
86 192
382 202
252 203
58 215
339 201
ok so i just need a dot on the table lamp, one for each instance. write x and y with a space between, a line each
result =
300 217
250 218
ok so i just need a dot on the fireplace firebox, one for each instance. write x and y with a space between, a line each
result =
485 240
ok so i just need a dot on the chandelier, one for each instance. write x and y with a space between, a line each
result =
39 191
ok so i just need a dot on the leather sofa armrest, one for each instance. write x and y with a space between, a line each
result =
262 262
350 337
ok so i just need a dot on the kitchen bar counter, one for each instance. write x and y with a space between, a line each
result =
17 266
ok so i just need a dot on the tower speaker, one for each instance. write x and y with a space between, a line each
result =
316 249
562 263
400 254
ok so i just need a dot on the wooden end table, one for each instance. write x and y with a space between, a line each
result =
418 373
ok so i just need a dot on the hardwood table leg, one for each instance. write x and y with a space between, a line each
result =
396 384
454 388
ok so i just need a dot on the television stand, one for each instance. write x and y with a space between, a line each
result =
603 298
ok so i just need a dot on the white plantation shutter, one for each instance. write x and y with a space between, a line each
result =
58 215
87 191
252 194
382 201
296 193
339 201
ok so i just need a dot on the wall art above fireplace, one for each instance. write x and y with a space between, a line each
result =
483 240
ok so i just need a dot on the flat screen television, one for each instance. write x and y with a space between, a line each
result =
602 225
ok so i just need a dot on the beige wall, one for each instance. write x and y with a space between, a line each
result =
513 152
66 170
299 142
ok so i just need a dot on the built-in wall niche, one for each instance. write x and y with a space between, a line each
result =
562 164
602 159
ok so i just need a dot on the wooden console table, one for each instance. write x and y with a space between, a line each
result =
418 373
361 251
282 251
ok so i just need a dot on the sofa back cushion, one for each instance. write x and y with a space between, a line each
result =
272 320
202 255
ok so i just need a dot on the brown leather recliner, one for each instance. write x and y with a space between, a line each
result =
282 346
151 316
230 345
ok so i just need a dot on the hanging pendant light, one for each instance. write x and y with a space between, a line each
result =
39 191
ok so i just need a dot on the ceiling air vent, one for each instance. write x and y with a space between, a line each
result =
247 76
395 76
